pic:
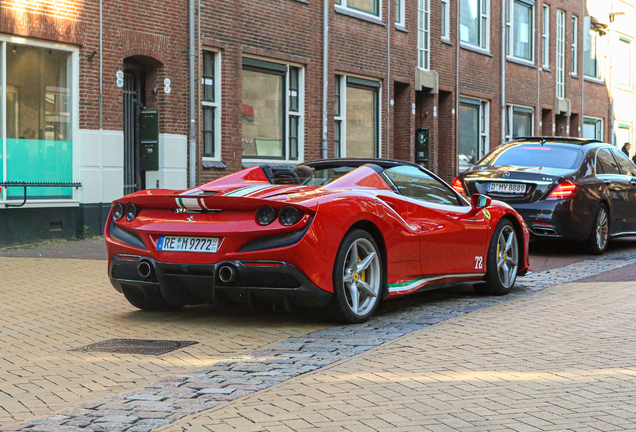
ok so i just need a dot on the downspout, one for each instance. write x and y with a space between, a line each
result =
536 36
101 67
503 70
456 156
582 120
191 138
388 86
325 79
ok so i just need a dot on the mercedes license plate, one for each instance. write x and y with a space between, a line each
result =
506 188
188 244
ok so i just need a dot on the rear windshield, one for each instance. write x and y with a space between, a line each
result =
533 155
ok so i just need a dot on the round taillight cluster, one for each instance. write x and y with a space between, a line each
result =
130 212
287 216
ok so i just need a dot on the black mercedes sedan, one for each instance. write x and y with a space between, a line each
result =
569 188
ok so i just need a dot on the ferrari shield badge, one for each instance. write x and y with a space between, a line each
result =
487 214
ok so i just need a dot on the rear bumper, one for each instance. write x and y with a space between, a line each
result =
555 219
189 284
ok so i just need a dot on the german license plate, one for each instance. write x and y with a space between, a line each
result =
188 244
506 188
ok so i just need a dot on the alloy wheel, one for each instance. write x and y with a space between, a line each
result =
602 228
507 256
361 276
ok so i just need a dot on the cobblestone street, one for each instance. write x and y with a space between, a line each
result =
420 363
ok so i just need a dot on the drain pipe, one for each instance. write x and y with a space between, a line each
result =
504 25
388 87
191 138
101 67
325 79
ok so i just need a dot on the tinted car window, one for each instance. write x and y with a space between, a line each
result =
605 163
532 155
413 183
626 165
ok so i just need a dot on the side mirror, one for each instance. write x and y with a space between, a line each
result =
480 201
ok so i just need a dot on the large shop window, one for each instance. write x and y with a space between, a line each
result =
519 122
593 128
356 121
272 110
211 104
521 27
473 131
474 26
592 56
368 6
38 139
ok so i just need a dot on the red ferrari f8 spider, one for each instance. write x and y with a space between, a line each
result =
336 234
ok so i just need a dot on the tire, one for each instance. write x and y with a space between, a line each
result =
150 301
358 276
599 237
502 262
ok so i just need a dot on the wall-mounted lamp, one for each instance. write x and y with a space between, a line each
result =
613 15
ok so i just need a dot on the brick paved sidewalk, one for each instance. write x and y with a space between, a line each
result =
562 359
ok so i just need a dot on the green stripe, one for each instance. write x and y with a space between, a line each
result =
401 284
238 190
181 203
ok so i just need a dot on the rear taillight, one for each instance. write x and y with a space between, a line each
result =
458 186
563 191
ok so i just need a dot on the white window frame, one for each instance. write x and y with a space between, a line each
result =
343 115
484 123
599 58
76 140
446 20
300 114
510 109
400 6
627 40
560 54
546 36
216 105
484 23
624 126
424 32
575 47
343 4
511 27
599 123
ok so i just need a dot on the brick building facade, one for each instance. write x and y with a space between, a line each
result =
406 79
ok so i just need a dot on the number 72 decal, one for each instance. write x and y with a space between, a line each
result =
479 262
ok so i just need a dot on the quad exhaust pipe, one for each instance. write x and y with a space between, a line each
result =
227 274
145 269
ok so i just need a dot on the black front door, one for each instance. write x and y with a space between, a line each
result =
133 103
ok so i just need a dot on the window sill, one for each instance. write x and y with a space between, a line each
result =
595 80
40 203
359 15
302 1
575 76
546 69
521 62
624 87
401 28
473 48
447 41
212 163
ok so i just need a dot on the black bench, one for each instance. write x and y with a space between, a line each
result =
26 185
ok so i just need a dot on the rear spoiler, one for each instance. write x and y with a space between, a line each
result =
214 202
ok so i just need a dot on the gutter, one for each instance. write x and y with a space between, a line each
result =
325 79
192 140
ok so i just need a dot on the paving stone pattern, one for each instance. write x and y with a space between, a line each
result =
175 397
